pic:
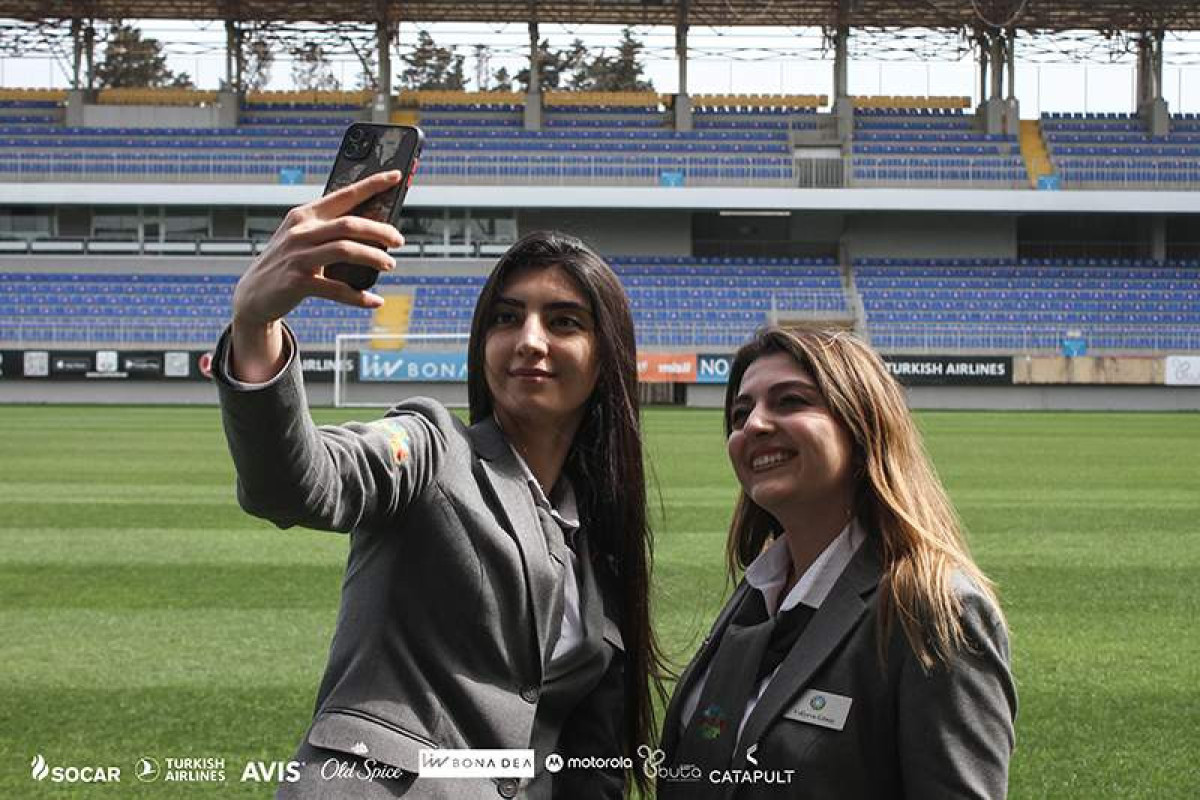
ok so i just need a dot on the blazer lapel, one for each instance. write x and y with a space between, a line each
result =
672 720
507 481
833 621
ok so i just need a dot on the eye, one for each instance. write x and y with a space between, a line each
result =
503 317
793 401
566 323
737 417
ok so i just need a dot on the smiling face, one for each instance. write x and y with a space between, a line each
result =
790 453
540 349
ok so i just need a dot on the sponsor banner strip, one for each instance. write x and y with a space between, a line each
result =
1182 371
404 367
666 367
447 763
951 370
169 365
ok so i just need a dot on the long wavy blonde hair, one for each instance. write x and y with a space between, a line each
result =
899 499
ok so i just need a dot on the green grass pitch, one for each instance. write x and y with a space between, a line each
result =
144 614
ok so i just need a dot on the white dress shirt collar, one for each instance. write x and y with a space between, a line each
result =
768 572
561 503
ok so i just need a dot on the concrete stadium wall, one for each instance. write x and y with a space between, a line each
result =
617 233
924 235
817 227
1090 370
130 116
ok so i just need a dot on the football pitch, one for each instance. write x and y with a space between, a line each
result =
145 615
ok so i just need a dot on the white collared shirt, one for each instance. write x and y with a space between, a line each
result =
565 511
768 574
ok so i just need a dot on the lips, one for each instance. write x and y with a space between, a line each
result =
528 372
769 459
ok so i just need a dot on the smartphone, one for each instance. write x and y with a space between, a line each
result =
368 148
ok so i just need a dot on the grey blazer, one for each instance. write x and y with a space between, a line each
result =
451 597
905 734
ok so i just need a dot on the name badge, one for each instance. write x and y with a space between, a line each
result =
826 709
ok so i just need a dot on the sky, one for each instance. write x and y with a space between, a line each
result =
761 60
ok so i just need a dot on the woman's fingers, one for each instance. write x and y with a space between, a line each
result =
350 227
344 251
339 292
335 204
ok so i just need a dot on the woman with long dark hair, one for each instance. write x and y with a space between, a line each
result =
863 654
496 589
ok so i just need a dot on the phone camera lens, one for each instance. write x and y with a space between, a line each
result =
358 144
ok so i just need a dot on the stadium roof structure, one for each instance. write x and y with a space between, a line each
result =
1033 15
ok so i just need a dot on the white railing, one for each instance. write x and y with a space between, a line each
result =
668 169
978 173
1020 338
1134 172
414 248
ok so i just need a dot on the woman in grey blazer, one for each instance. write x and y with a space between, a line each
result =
864 654
496 587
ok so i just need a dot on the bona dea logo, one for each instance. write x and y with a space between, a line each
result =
40 770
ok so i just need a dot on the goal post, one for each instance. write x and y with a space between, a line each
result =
395 357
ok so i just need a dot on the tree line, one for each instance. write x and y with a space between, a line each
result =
131 59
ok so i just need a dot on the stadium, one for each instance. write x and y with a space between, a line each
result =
1014 269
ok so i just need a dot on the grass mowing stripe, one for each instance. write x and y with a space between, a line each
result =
86 545
49 512
63 649
169 586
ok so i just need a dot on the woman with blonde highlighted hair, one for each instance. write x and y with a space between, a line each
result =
863 654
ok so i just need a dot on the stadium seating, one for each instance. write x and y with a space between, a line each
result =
155 97
994 304
471 138
681 302
677 302
904 105
931 146
1099 151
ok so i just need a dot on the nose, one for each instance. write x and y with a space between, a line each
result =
758 422
532 340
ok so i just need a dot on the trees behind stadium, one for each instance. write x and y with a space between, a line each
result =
133 60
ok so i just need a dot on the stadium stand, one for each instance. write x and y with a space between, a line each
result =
918 146
909 304
1030 304
155 97
613 138
906 104
678 302
1102 151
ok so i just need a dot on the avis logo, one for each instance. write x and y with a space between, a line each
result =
272 771
40 770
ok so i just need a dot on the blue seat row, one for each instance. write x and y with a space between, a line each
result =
932 149
930 136
435 134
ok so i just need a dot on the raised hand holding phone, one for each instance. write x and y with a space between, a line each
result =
292 267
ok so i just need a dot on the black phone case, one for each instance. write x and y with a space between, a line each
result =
366 149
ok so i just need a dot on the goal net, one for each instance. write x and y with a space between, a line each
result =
383 358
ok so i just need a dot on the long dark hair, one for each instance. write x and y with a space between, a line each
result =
899 498
605 461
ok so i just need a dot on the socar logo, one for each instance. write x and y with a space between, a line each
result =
40 770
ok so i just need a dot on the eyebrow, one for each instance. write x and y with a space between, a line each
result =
560 305
780 387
